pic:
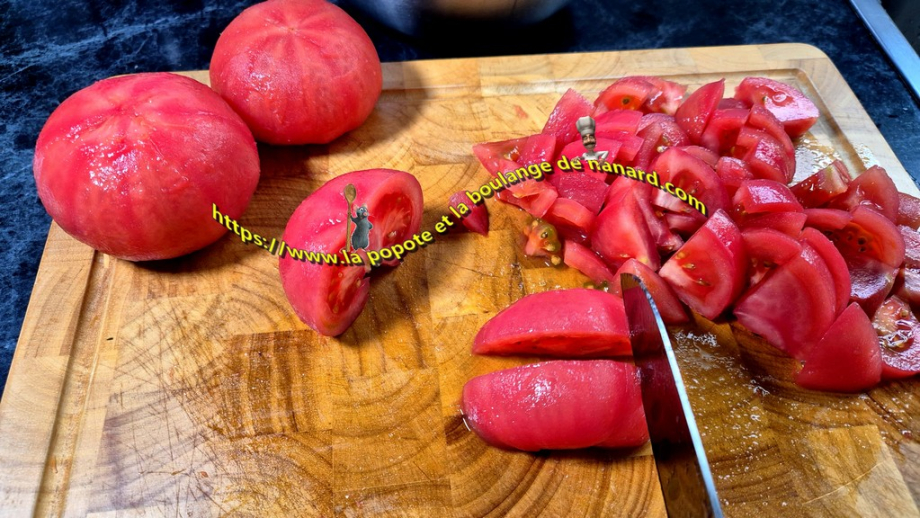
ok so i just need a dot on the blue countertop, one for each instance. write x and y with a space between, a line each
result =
49 50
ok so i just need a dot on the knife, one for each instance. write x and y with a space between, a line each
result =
683 470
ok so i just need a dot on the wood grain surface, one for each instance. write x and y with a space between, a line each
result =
189 388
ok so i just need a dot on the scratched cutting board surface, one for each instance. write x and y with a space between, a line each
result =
188 387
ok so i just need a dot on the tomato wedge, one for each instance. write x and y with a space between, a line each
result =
763 196
613 121
627 93
619 232
790 106
766 249
695 112
523 151
722 130
569 323
586 189
761 119
899 339
821 187
732 172
874 189
561 122
587 262
763 154
694 177
793 307
871 281
658 132
847 358
908 210
557 405
708 272
477 220
669 306
836 265
571 219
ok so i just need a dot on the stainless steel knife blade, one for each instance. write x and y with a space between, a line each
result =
683 470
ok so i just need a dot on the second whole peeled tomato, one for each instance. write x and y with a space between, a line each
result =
297 71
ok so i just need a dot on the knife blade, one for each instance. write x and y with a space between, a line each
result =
683 469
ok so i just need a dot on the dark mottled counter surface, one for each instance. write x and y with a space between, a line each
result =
49 49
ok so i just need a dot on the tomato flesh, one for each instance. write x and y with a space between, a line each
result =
821 187
732 172
708 272
766 249
847 358
835 262
763 196
556 323
899 339
561 122
616 236
669 306
558 405
874 189
694 177
722 130
587 262
477 220
694 113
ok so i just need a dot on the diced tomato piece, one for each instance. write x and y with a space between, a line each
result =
477 220
729 103
763 120
666 96
684 224
627 93
556 323
874 189
871 281
789 223
710 157
665 240
911 246
847 358
870 234
658 132
561 122
708 272
732 172
573 152
542 240
587 262
534 197
763 196
626 121
571 219
793 307
785 102
821 187
899 339
669 306
827 219
629 145
586 189
619 232
699 181
722 131
521 151
767 249
908 210
907 286
558 405
763 154
695 112
836 265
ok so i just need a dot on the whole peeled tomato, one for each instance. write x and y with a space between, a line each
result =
133 165
297 71
329 297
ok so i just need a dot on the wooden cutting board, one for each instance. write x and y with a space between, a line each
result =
188 387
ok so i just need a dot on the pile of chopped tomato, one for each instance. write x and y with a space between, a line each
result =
827 269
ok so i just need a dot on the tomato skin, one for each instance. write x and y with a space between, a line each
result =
899 339
669 306
558 405
569 323
131 166
794 306
908 210
761 119
911 246
790 106
708 272
477 220
821 187
561 122
329 298
847 358
297 71
694 113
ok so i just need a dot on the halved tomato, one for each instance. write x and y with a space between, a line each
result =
847 358
569 323
695 112
708 272
899 339
874 189
821 187
561 122
669 307
794 306
785 102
